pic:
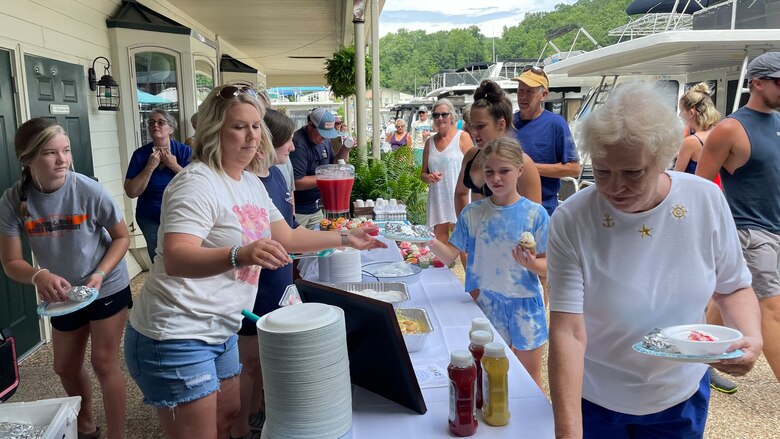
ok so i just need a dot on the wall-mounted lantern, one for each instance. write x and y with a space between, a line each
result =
107 88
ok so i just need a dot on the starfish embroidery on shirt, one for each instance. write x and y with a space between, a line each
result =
645 232
608 221
679 211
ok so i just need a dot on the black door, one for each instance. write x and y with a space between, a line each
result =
59 91
17 301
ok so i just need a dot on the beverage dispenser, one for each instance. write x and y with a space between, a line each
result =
335 184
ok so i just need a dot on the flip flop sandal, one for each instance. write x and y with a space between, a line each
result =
94 435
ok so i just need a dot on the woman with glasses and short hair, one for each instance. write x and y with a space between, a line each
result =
442 157
218 229
151 168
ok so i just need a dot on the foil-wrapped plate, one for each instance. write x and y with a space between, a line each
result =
642 348
83 296
407 232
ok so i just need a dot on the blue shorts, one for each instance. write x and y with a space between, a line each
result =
685 420
172 372
521 322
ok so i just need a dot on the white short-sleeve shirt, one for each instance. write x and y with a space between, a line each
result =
630 273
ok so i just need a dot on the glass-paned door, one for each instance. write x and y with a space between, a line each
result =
157 87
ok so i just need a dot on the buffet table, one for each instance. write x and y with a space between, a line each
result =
450 309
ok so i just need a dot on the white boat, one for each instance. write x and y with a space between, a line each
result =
691 51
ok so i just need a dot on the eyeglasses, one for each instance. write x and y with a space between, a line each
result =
158 122
534 69
442 115
231 91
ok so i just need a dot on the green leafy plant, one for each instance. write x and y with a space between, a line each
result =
392 176
340 72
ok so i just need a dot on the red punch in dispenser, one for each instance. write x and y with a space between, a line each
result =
335 184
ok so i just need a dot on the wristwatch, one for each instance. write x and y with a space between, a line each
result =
344 237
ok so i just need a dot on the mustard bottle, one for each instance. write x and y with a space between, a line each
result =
495 385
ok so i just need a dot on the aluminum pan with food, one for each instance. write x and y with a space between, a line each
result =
379 287
416 341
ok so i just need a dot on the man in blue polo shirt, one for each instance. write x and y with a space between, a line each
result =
312 149
544 136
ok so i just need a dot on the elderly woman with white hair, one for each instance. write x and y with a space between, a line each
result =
442 157
645 248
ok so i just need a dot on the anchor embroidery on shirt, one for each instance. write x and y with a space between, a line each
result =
608 221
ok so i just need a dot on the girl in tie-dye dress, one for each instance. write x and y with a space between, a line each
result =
507 274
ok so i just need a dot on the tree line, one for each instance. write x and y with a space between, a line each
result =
408 59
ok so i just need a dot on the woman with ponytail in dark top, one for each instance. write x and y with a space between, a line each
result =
491 117
78 236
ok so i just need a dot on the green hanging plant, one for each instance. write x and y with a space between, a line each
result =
340 72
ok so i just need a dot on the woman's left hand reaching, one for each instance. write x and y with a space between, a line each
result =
361 239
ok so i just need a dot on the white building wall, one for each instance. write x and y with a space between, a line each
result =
75 31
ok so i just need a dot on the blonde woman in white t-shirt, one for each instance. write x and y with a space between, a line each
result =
218 229
614 262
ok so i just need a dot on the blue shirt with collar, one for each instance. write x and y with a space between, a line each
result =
150 200
547 139
306 157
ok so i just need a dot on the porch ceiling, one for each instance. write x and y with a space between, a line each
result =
289 39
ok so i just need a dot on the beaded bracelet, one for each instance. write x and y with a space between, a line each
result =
234 256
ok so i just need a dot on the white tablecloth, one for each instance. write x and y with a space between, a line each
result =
450 309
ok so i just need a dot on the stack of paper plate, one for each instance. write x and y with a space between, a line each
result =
303 354
343 266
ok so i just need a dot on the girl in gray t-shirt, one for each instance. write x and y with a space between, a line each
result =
79 237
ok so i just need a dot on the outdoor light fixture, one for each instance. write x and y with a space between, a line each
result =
107 88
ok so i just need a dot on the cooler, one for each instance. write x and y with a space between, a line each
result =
58 414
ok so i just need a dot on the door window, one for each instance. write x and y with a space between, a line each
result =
204 80
157 87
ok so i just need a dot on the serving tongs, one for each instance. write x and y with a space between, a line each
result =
320 254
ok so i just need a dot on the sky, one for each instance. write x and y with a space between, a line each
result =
489 15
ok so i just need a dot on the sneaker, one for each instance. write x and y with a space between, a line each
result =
257 420
720 383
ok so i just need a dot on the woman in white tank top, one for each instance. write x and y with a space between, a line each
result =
442 158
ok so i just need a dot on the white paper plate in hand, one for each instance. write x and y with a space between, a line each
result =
56 309
674 356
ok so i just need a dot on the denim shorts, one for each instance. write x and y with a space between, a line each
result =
100 309
173 372
685 420
520 321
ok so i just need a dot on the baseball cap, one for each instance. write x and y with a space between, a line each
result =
764 66
422 109
533 78
325 122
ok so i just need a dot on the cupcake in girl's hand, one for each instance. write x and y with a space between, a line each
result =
527 241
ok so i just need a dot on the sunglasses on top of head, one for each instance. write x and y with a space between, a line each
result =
534 69
231 91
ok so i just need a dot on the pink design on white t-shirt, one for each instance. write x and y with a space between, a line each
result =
254 225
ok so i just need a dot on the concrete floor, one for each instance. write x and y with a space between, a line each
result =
752 412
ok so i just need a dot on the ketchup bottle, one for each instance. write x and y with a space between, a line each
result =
479 339
481 323
463 379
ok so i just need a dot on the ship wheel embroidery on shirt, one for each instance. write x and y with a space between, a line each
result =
645 232
679 211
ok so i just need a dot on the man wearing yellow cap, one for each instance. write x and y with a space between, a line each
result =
544 136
